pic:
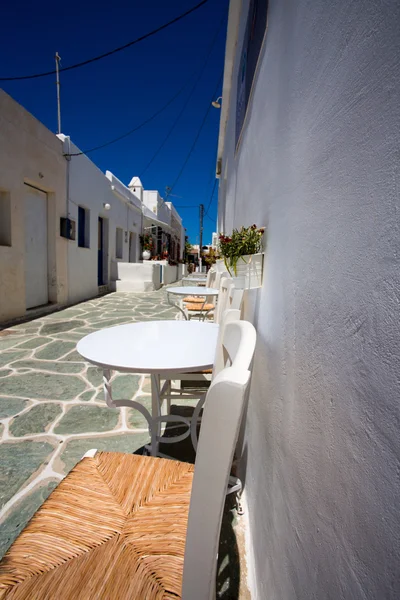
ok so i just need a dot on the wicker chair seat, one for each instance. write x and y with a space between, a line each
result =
115 528
199 306
194 299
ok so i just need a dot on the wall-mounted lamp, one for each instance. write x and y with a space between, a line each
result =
106 206
217 103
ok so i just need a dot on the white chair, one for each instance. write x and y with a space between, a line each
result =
208 282
229 298
207 304
127 526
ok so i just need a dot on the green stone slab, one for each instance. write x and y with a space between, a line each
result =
34 342
43 386
94 375
87 396
8 357
135 419
69 336
82 331
146 387
51 328
75 449
22 512
10 341
88 419
11 406
64 315
73 356
110 322
124 387
36 420
18 462
55 350
53 366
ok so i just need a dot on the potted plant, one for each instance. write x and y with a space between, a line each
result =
243 257
147 245
211 258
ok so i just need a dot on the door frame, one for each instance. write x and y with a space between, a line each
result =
48 254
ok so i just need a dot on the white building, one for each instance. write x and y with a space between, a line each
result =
64 225
33 255
309 148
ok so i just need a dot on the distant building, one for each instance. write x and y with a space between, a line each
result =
64 224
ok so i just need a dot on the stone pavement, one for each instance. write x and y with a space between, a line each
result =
52 408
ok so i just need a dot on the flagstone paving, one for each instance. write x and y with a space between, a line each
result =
52 411
52 407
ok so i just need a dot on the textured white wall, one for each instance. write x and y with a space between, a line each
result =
319 165
90 188
30 153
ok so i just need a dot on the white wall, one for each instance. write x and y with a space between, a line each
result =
30 153
319 166
90 188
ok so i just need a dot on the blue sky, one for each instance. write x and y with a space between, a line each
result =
103 100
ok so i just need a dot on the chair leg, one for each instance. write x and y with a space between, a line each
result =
194 421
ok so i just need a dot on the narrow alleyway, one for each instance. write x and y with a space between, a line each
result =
52 407
52 410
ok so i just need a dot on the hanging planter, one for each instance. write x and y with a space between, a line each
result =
249 272
243 256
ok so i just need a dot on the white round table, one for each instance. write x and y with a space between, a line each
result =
194 279
191 291
188 290
160 348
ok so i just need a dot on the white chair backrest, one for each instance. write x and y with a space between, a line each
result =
211 277
222 414
223 303
236 343
218 276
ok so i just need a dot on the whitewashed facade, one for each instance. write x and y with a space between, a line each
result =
309 148
64 224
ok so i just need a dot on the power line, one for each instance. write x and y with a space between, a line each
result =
110 52
201 71
197 135
127 133
211 199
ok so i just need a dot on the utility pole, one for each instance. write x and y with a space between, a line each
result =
58 58
201 215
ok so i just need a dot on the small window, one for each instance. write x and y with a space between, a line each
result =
83 227
118 243
5 219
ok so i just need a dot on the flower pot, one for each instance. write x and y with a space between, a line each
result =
146 254
249 271
220 265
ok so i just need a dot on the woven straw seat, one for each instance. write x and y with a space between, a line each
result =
115 528
199 306
194 299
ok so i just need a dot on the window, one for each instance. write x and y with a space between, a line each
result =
118 243
5 219
253 39
83 227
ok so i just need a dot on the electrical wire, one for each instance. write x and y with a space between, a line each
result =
197 136
127 133
110 52
200 74
211 199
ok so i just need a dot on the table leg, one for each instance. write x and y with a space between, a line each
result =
156 412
